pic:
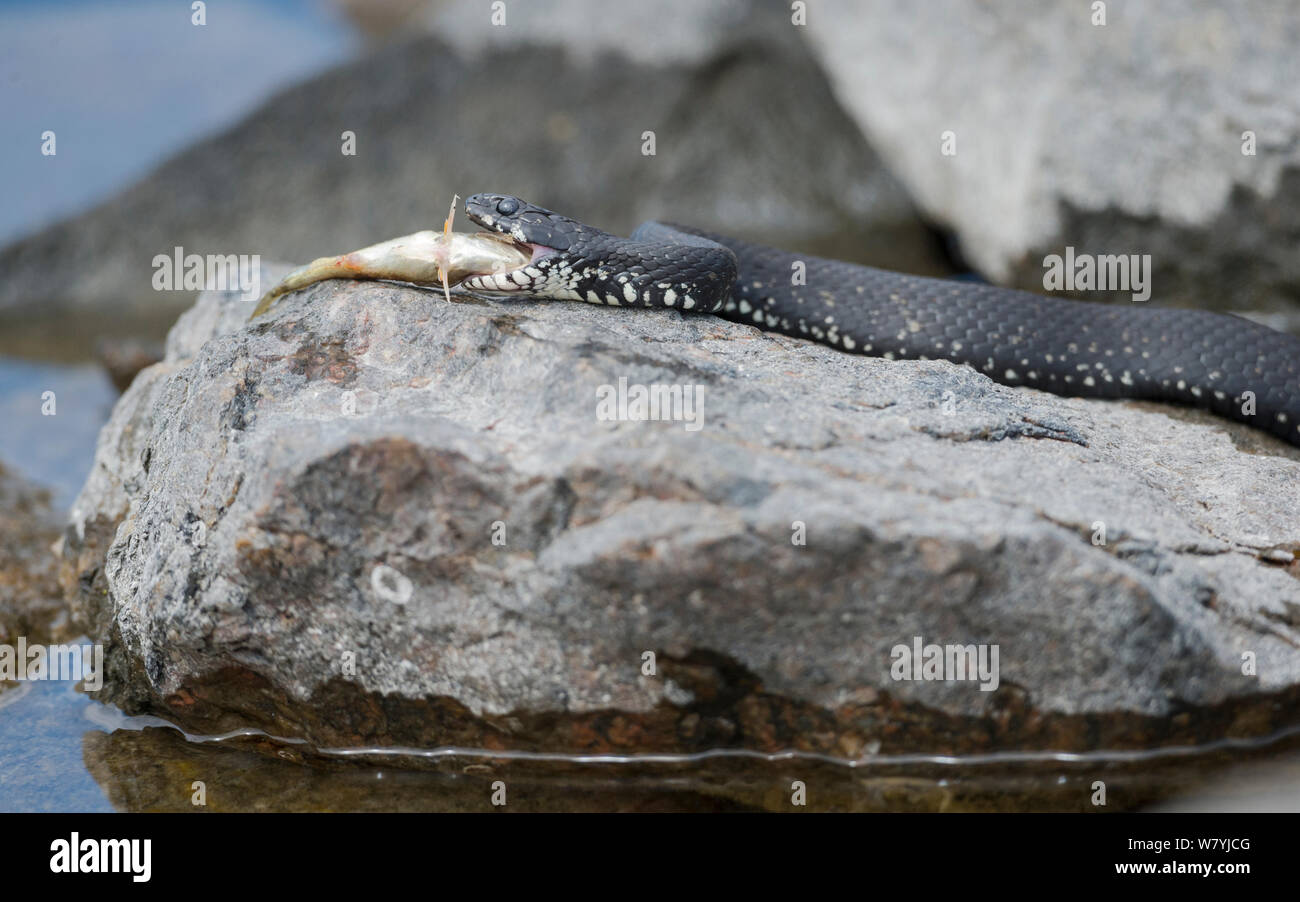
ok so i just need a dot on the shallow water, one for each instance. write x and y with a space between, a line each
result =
62 751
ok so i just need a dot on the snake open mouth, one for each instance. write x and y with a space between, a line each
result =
529 228
511 280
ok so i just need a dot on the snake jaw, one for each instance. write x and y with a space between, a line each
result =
530 277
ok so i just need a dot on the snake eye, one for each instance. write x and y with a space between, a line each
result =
507 206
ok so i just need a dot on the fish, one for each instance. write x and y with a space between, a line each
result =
426 257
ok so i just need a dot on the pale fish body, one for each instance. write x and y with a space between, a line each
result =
446 258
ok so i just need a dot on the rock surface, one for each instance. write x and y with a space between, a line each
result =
731 146
290 524
1121 138
31 602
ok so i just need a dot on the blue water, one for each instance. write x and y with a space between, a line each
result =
125 84
52 449
41 766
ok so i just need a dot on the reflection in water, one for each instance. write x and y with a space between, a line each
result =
63 751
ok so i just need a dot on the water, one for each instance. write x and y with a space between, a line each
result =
52 414
62 751
41 763
124 84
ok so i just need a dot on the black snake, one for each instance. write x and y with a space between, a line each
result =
1223 363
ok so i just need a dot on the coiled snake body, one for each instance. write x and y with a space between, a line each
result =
1226 364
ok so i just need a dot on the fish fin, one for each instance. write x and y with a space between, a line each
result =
446 233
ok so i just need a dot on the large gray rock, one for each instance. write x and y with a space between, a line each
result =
1122 138
290 524
732 148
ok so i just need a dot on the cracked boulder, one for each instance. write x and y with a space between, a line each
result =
374 517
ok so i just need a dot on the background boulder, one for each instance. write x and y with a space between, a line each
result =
1122 138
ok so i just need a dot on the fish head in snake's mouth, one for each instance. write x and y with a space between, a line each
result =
560 247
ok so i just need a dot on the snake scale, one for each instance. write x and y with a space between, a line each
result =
1229 365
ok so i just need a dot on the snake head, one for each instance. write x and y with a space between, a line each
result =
524 222
560 246
549 235
660 266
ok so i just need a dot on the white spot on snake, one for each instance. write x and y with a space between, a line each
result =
1088 380
688 302
745 308
629 293
670 298
848 343
1010 374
